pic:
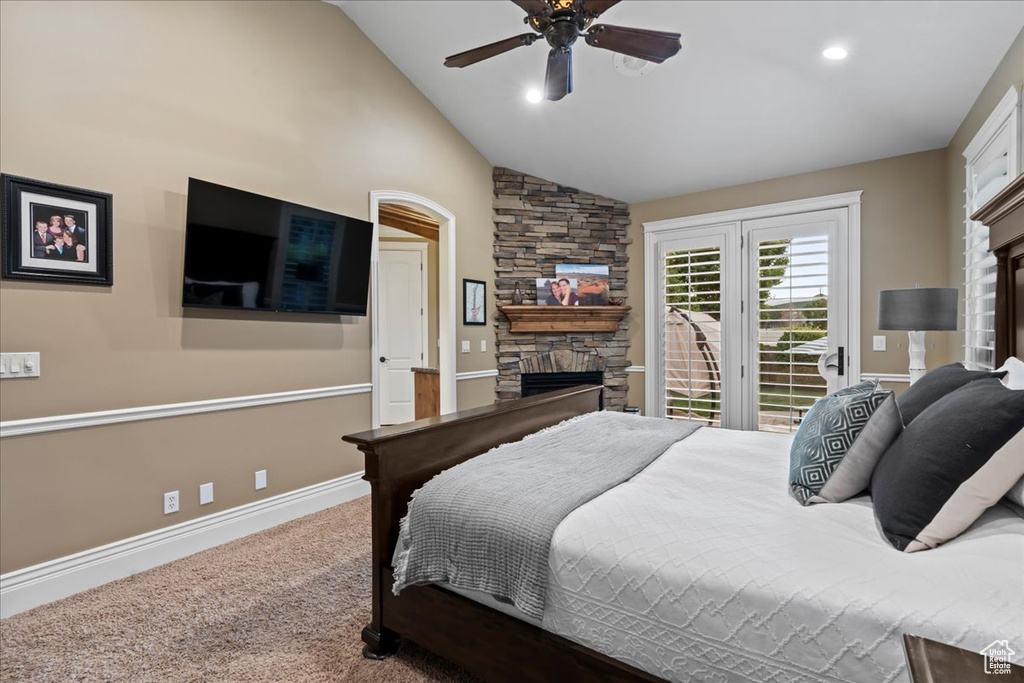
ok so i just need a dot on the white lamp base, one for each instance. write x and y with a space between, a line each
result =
917 351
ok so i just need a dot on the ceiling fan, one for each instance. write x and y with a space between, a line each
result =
561 22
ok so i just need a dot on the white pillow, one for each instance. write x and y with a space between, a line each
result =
1014 368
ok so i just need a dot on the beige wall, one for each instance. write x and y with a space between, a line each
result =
903 242
1010 73
287 99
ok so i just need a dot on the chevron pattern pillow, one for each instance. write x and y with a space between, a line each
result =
839 443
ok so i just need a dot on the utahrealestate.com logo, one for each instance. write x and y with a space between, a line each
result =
997 657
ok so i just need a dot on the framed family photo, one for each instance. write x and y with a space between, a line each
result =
56 233
474 302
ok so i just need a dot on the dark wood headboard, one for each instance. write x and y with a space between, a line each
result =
1004 216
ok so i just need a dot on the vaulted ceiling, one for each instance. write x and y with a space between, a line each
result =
749 97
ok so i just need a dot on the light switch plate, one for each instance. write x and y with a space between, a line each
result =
465 346
21 364
483 346
878 342
261 479
205 493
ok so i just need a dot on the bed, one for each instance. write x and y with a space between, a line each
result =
698 568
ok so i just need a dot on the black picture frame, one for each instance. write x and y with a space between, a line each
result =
84 258
474 302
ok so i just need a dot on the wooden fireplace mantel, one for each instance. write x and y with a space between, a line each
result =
564 318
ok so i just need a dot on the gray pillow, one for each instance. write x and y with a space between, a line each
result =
935 385
840 441
959 457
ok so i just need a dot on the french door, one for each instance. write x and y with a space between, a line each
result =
752 319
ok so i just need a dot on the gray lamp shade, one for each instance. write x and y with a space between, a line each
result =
925 308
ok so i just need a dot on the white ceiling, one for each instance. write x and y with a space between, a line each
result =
749 97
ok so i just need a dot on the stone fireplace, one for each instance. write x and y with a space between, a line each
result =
538 225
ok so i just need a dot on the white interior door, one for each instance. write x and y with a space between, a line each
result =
796 322
402 309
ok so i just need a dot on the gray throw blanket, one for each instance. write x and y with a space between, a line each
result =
486 524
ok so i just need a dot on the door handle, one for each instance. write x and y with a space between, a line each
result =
383 359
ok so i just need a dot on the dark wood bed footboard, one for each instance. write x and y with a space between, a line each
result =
402 458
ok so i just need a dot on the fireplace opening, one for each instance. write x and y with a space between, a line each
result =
534 383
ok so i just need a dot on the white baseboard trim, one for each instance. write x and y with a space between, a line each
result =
636 368
56 423
866 376
24 589
459 376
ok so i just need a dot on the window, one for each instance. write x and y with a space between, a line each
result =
749 312
992 161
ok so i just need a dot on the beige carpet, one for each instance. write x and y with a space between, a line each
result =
286 604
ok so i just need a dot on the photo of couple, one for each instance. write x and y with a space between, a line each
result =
552 292
59 235
575 284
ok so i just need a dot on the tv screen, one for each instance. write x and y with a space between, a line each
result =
247 251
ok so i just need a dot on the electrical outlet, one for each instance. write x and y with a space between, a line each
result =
878 342
261 480
465 346
205 493
170 502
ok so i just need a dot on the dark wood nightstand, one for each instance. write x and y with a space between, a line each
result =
932 662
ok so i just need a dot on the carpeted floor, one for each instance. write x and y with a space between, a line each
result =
286 604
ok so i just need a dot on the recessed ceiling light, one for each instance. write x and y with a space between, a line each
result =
834 53
533 95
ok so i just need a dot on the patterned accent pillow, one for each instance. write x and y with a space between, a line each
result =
839 443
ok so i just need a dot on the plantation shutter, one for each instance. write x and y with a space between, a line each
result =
991 161
991 176
792 328
692 340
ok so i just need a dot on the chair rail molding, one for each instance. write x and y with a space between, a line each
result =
56 423
30 587
475 374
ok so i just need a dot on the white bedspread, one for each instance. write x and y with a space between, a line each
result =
702 568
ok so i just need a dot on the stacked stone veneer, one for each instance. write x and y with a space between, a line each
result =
538 225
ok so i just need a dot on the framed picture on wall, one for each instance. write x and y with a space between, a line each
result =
56 233
474 302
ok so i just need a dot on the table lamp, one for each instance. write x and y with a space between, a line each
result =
917 310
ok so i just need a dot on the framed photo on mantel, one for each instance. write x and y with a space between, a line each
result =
474 302
56 233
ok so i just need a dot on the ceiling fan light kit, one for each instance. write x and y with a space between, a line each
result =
561 23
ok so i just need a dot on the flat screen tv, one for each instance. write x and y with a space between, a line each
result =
247 251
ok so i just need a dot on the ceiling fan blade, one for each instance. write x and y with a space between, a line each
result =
532 6
654 46
558 81
597 7
478 54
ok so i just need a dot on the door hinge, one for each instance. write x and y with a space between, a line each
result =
743 371
741 306
741 241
